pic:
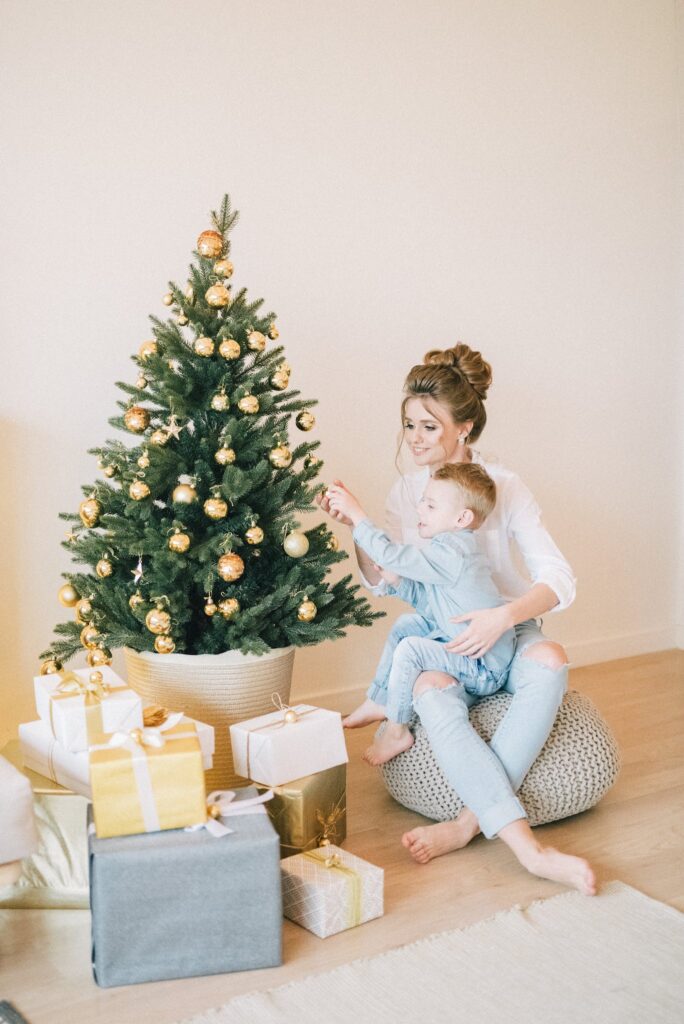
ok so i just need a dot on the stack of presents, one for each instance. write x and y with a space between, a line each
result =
185 882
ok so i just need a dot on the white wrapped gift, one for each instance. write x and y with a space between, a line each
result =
329 890
18 835
74 707
43 754
287 744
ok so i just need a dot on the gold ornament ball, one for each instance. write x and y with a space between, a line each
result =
158 621
83 611
229 607
109 471
273 332
280 457
139 490
224 456
136 419
256 341
223 268
144 460
229 348
190 294
310 461
159 438
280 380
296 544
305 420
204 347
104 568
307 611
68 595
254 535
249 404
217 296
135 600
98 656
333 543
147 349
179 543
184 494
50 667
230 567
220 401
89 635
210 608
210 244
90 511
182 319
164 645
168 299
141 382
215 508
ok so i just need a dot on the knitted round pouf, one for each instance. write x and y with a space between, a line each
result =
577 765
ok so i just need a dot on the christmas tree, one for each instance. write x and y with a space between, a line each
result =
191 542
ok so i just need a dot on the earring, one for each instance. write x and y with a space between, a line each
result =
462 439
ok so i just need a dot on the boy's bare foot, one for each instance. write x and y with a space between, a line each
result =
561 867
395 739
365 714
430 841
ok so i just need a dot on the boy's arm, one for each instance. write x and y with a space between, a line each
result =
410 591
432 564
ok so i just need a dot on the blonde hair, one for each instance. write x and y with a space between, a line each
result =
476 486
458 379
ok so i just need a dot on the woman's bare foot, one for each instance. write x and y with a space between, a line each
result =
365 714
394 739
561 867
430 841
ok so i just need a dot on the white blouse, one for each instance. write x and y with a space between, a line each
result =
513 537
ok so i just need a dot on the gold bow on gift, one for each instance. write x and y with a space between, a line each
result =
328 823
333 862
93 690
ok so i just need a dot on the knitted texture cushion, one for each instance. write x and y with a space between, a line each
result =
576 767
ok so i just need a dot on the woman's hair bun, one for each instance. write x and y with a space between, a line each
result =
467 363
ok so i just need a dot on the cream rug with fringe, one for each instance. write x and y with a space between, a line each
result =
616 958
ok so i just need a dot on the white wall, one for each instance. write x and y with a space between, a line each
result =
408 174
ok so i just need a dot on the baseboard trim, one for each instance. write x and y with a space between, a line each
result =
592 652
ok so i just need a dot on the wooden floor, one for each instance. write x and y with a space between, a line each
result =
636 835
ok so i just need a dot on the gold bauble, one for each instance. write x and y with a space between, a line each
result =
147 349
220 401
104 568
190 294
217 296
215 508
280 457
256 341
158 621
223 268
159 438
184 494
135 600
50 667
84 611
305 420
296 544
254 535
285 367
109 471
210 608
230 567
182 319
210 244
229 607
89 635
139 490
249 404
179 542
306 611
143 460
98 656
90 511
224 456
333 543
280 380
68 595
310 461
291 716
273 332
136 419
164 645
204 347
141 382
229 348
168 299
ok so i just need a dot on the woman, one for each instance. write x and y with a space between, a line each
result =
443 412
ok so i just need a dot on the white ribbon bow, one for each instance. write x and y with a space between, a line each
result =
222 803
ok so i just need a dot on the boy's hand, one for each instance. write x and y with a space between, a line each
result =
324 501
343 502
389 577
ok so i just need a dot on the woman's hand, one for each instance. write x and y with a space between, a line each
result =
485 627
323 500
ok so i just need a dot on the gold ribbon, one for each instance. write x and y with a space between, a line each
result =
333 862
93 692
290 717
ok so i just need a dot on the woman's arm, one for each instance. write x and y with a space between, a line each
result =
488 624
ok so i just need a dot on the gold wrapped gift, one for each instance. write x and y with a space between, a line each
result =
147 780
310 810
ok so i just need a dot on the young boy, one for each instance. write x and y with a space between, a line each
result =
442 580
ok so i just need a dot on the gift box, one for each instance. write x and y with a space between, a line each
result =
42 754
329 890
288 744
18 833
78 705
306 811
147 780
183 903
